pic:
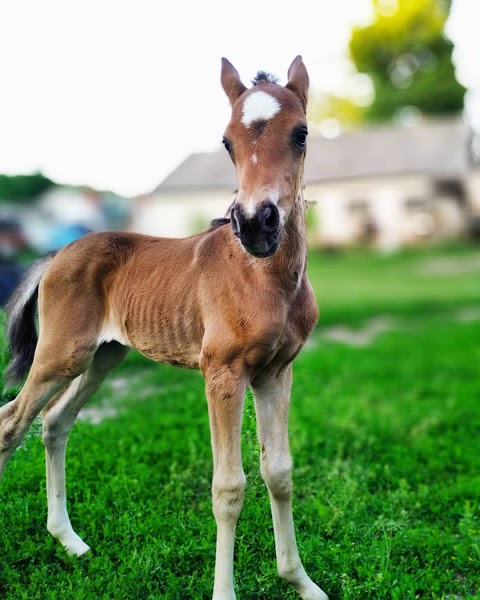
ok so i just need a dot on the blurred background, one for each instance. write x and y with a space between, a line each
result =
111 117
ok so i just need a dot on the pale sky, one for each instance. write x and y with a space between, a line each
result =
115 94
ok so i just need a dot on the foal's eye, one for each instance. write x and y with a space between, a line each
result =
300 137
227 145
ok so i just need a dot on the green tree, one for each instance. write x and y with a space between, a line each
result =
342 109
23 187
409 58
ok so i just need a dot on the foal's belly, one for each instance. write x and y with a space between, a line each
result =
164 334
183 356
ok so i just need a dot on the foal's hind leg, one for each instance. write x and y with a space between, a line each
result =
272 399
58 418
58 360
17 416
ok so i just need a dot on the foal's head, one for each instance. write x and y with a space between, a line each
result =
266 139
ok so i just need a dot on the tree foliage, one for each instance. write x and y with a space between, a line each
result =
342 109
23 187
409 58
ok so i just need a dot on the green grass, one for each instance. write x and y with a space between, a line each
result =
386 446
353 285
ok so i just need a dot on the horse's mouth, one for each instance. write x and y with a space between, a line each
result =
262 250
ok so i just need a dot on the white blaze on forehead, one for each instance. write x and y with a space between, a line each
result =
259 105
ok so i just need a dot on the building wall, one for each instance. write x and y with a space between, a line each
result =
179 214
385 212
473 192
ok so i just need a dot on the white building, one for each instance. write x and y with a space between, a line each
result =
385 185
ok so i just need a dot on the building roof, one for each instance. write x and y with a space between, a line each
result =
439 148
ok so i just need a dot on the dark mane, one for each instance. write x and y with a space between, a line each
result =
264 76
216 223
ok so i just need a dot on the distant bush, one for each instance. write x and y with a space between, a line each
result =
23 187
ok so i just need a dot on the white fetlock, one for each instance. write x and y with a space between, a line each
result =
61 529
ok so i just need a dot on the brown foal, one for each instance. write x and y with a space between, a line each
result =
233 301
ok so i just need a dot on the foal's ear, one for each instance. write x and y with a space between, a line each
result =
298 80
231 82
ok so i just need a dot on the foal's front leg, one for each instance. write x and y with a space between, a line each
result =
272 400
225 388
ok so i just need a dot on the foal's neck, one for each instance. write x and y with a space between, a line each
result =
290 261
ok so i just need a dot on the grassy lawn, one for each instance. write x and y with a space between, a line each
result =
385 439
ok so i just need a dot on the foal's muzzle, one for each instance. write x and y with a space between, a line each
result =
259 234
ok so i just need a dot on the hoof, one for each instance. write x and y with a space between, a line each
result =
76 547
313 593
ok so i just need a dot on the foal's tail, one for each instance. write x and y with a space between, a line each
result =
21 329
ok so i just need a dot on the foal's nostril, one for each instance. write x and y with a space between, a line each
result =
237 220
269 218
